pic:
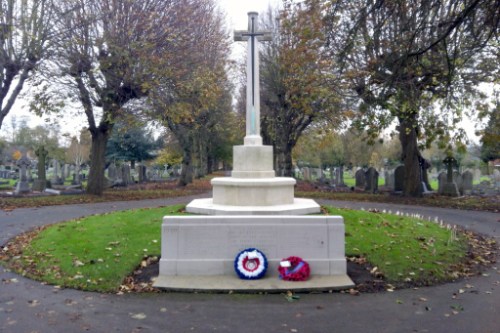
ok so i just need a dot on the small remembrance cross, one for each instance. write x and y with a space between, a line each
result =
253 99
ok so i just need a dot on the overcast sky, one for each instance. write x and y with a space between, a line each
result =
237 19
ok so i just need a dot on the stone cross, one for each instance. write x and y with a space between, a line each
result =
23 163
450 162
253 36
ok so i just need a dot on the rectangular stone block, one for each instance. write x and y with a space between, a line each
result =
208 245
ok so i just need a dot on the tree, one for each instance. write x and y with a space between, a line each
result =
78 151
294 79
31 138
24 40
192 97
405 58
131 142
101 59
490 139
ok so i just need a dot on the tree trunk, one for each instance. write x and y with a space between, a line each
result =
413 177
97 181
284 167
187 168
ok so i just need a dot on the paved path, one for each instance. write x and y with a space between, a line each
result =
27 306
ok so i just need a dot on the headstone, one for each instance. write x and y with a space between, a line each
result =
112 172
126 174
496 178
41 183
442 179
457 179
119 175
55 180
389 179
77 177
23 185
467 178
63 172
371 180
360 178
399 178
141 171
450 188
477 175
306 174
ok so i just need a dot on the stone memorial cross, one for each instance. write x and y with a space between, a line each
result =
253 36
449 162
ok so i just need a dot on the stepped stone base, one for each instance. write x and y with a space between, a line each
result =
227 283
253 191
298 207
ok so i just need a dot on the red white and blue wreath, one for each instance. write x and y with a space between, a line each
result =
294 269
250 264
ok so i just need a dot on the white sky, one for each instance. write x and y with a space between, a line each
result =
237 19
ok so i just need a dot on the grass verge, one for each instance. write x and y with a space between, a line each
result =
93 253
98 252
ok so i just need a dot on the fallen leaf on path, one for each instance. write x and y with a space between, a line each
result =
138 316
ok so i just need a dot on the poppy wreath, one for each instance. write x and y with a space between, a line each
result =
250 264
298 270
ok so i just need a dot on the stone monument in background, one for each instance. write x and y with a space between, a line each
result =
23 185
252 208
450 187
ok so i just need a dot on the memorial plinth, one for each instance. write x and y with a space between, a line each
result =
253 189
251 209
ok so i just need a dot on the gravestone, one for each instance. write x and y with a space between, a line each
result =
23 185
467 178
450 188
126 174
306 173
40 183
64 172
119 175
399 178
496 178
457 179
477 175
55 180
371 180
141 171
360 178
389 179
77 178
112 172
442 179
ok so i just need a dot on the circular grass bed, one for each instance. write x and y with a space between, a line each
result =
102 252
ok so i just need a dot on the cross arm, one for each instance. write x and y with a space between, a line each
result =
239 35
265 36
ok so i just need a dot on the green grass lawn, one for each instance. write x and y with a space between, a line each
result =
98 252
403 249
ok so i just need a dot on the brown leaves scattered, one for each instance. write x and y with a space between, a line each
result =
141 280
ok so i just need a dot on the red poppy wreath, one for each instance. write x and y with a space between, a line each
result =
294 269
